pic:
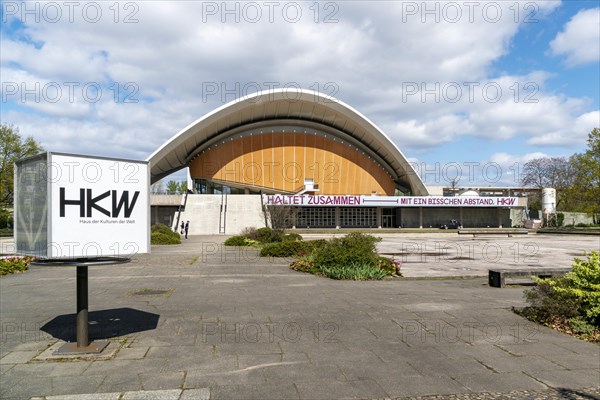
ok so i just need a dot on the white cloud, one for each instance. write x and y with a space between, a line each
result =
371 58
579 41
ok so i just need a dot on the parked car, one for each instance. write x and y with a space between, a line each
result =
453 224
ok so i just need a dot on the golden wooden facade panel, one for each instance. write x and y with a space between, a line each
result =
283 160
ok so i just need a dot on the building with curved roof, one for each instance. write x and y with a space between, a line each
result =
327 162
276 141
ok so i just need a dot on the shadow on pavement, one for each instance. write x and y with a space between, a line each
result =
103 324
576 395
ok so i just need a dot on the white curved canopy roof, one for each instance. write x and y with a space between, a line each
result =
285 107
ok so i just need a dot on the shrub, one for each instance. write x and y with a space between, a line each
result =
250 233
389 266
237 241
266 235
161 228
312 245
350 257
354 248
162 234
159 238
571 302
285 249
304 264
353 271
291 237
10 265
583 284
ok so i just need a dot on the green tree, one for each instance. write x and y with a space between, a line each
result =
12 148
183 187
172 187
586 188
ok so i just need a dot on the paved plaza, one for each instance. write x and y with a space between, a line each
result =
201 321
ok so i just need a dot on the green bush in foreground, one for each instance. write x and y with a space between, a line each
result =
262 237
353 248
236 241
352 257
162 234
570 303
14 264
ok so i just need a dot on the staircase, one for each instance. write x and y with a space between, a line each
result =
216 214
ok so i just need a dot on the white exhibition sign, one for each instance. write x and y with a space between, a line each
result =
390 201
78 206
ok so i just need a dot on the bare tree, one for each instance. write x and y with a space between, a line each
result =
281 217
552 172
555 172
454 185
157 187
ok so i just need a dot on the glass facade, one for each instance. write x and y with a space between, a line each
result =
316 217
358 217
204 186
324 217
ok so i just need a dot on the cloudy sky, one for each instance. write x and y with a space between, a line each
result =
473 83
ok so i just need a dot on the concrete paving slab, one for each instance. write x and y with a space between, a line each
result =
18 357
326 389
152 395
195 394
63 385
573 379
423 385
129 353
498 382
113 383
246 376
329 338
90 396
263 391
162 380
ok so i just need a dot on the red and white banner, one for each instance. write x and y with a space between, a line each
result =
389 201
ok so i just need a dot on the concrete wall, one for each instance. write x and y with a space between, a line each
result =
571 218
204 213
574 218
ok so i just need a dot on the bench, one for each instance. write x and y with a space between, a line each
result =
496 277
493 231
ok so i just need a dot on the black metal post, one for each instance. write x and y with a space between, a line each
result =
82 306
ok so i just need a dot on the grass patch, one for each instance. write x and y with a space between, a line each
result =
353 271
